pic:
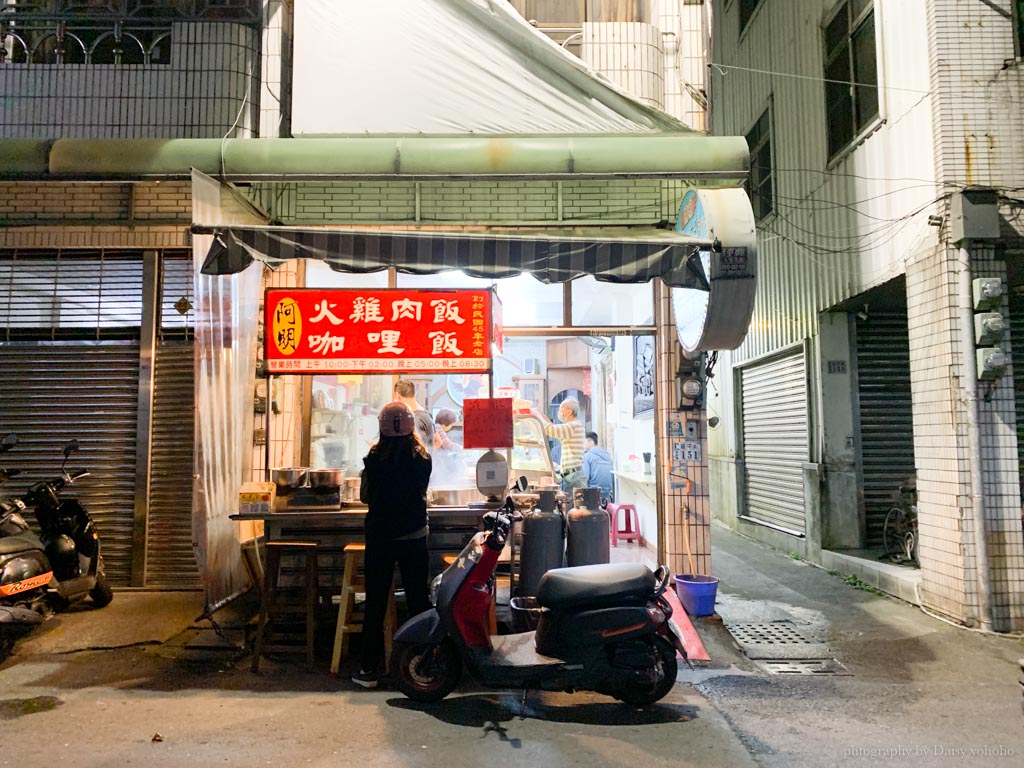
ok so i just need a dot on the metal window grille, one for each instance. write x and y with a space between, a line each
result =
70 295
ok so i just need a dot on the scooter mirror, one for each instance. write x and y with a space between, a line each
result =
8 441
522 484
70 447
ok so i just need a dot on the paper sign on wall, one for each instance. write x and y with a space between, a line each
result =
487 423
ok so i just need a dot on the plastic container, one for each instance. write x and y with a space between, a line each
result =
697 593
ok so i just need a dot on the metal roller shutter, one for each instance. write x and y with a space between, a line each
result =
1017 359
886 415
85 390
170 560
775 441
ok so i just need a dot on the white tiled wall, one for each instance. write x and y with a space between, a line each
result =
630 55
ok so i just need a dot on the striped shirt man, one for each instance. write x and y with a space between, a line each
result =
572 436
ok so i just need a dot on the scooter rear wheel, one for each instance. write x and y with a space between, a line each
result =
666 669
426 672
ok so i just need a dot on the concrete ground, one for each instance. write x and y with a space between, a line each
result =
141 682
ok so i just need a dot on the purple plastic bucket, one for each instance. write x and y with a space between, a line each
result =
697 593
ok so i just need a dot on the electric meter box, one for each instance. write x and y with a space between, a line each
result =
988 328
987 292
991 363
974 215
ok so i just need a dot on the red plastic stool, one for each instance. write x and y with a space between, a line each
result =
631 523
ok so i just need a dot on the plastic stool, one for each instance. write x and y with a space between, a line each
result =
631 523
350 620
274 604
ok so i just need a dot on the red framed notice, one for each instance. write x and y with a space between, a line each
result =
387 330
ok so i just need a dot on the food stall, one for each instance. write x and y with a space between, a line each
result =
367 339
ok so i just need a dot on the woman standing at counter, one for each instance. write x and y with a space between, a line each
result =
395 476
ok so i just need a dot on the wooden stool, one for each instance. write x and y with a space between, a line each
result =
274 605
350 620
631 523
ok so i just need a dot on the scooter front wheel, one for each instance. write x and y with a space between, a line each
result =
101 594
426 672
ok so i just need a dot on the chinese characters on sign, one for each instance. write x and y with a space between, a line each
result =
377 331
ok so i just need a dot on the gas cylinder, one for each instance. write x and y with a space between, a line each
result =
587 530
543 544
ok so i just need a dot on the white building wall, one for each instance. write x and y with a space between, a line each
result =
950 110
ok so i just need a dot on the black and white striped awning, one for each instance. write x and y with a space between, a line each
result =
611 254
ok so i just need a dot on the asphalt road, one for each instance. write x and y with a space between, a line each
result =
132 685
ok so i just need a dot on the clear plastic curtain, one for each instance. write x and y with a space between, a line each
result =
227 320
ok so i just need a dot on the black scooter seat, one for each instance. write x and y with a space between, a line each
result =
12 545
592 584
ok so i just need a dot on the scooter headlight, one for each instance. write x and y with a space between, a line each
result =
435 585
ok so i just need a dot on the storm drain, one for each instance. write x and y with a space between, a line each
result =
775 633
804 667
777 640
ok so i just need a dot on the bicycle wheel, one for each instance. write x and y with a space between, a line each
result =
894 534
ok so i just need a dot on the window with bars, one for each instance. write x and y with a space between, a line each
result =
760 186
851 72
62 294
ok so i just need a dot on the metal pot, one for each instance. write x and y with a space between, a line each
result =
287 479
453 497
326 479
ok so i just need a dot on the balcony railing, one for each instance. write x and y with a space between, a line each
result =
106 31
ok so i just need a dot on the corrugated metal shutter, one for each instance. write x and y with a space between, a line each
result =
53 392
775 441
1017 358
170 558
886 415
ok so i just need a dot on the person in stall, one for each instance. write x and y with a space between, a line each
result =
597 467
394 482
449 471
572 439
405 392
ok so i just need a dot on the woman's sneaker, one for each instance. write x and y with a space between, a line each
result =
366 679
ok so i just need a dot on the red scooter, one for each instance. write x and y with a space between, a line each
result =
603 628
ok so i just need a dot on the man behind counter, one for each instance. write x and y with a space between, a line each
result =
405 392
570 435
597 467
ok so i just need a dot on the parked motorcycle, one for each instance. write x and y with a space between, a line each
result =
40 574
603 628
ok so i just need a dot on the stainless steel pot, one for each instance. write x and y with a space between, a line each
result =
326 479
288 479
453 497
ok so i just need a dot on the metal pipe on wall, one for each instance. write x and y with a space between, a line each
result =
970 390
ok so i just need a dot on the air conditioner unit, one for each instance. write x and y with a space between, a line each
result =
531 366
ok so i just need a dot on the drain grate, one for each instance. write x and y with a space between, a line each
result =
775 633
804 667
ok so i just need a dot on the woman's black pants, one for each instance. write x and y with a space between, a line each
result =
381 557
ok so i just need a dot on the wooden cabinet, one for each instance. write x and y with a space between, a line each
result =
567 353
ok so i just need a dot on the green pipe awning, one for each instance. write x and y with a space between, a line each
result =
700 159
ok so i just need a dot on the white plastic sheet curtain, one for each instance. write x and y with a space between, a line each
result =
227 320
447 67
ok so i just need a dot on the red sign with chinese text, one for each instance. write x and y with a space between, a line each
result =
313 330
487 423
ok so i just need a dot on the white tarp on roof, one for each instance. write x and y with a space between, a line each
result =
447 67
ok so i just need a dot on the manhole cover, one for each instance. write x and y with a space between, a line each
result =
805 667
777 632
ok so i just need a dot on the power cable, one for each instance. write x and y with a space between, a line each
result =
720 68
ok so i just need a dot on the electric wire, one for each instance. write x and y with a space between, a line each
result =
721 69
